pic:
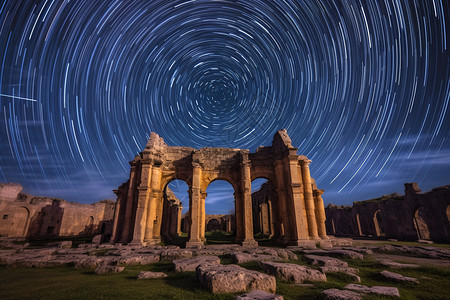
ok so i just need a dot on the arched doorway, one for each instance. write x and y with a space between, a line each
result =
263 202
378 223
219 223
420 225
175 215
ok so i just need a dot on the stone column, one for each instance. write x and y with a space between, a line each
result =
194 207
116 224
238 216
126 230
246 184
202 215
271 219
151 207
144 190
180 210
320 214
309 199
283 213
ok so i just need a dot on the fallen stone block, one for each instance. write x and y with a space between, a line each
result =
190 264
396 265
293 272
175 254
108 269
233 278
348 271
259 295
325 261
379 290
335 294
397 277
150 275
240 258
346 254
137 259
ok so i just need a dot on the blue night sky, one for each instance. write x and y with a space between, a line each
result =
362 87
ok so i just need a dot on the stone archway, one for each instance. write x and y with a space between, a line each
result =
139 201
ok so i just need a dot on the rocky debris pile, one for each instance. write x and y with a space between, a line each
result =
258 295
333 265
233 278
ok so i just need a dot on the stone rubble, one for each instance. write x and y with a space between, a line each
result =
396 265
150 275
379 290
336 294
293 272
233 278
190 264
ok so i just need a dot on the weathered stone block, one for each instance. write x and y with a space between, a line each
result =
293 272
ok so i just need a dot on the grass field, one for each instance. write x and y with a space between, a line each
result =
71 283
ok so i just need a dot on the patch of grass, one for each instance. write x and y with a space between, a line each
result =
219 237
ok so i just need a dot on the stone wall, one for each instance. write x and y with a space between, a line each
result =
26 216
412 216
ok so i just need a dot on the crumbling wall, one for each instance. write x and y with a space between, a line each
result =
413 216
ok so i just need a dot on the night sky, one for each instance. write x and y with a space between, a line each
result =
362 87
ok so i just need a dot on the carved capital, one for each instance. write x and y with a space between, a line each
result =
305 162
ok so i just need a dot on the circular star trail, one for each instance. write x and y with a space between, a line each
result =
361 86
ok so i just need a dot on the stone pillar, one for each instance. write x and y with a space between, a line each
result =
283 213
116 224
180 210
264 219
194 207
142 203
238 216
320 214
309 199
247 219
202 216
271 219
126 229
296 205
151 207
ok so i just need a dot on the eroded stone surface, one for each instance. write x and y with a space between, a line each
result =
190 264
150 275
379 290
336 294
176 254
233 278
325 261
240 258
259 295
397 277
396 265
293 272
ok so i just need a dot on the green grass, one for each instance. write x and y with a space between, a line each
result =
71 283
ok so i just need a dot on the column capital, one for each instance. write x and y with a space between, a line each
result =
318 193
305 162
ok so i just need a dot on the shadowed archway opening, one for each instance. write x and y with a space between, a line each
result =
263 210
219 220
423 233
175 217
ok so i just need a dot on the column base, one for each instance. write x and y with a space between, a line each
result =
151 242
249 243
194 244
309 244
324 243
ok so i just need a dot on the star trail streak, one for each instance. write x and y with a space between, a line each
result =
362 87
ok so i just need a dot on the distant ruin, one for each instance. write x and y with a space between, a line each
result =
414 216
27 216
296 210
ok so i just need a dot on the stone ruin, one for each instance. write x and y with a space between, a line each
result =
413 216
296 206
27 216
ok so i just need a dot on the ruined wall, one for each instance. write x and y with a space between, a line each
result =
262 200
412 216
23 215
